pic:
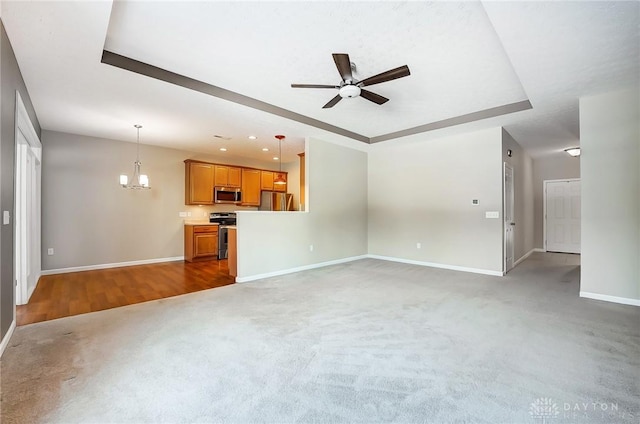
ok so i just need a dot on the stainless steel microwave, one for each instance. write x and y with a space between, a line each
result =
227 195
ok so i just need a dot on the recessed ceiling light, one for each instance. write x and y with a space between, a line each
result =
275 158
264 149
223 149
252 137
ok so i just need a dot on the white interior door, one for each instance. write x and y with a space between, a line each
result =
562 216
508 217
27 267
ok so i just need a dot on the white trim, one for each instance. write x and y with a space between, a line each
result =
614 299
544 208
112 265
506 165
298 269
33 146
435 265
539 249
523 257
24 124
7 337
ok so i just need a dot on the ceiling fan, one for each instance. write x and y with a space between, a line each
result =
349 87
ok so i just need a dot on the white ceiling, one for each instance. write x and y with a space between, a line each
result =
464 57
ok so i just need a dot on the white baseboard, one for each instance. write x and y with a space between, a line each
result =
539 249
614 299
435 265
113 265
526 255
7 337
298 269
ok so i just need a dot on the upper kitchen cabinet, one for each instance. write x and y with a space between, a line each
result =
267 178
199 178
250 187
227 176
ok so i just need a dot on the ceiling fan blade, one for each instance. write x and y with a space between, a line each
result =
332 102
344 66
400 72
313 86
373 97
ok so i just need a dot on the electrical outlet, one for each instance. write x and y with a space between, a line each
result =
50 251
418 245
311 248
188 213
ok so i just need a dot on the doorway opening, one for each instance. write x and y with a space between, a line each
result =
508 218
27 236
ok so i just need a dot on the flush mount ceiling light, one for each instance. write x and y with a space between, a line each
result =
279 179
573 151
138 181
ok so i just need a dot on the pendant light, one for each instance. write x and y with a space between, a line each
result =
280 180
138 181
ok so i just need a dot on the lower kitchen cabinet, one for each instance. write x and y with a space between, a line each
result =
200 242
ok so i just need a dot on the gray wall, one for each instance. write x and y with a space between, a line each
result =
421 192
10 80
610 168
522 164
335 224
557 166
88 219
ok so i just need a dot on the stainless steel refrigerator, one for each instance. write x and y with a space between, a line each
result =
276 201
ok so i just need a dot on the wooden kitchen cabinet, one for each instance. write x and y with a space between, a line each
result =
232 261
266 181
227 176
200 242
198 183
250 187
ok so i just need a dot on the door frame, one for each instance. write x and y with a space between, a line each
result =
544 206
504 215
24 127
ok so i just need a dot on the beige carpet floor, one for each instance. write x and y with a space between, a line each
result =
366 341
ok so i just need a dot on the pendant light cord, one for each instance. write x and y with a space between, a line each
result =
138 143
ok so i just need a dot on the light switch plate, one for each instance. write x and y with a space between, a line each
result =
6 218
182 214
492 214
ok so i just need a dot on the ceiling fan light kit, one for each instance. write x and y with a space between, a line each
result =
349 87
349 91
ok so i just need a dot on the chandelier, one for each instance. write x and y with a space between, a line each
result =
138 181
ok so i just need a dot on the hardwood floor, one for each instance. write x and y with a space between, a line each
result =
63 295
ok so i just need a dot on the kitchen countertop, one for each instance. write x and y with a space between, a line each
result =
200 223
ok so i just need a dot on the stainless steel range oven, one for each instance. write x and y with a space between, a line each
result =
225 219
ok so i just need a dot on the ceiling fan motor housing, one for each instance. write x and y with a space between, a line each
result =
349 90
